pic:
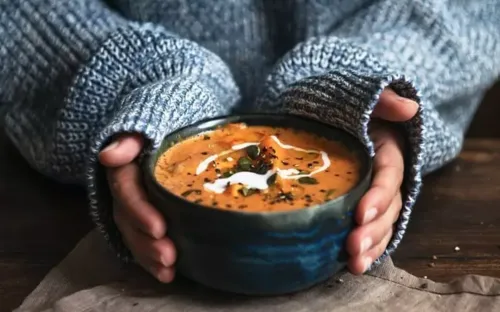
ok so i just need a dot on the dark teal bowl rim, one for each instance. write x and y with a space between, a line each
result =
150 160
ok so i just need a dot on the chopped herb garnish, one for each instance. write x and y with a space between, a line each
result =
227 174
189 192
244 163
303 172
272 179
329 193
247 191
308 180
262 168
253 151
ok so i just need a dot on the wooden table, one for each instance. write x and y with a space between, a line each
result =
41 221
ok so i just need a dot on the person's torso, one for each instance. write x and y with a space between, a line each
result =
249 35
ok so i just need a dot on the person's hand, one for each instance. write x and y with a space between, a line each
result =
141 225
380 207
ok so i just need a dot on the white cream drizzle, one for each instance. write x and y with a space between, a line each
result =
254 180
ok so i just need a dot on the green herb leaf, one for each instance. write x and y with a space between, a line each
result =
329 193
244 163
304 172
189 192
253 151
272 179
227 174
308 180
247 191
262 168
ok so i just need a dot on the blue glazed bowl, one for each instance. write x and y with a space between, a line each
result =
259 253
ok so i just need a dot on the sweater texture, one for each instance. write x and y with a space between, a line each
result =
74 73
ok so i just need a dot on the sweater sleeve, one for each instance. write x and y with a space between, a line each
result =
442 54
74 73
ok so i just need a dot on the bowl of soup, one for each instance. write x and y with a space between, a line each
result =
258 204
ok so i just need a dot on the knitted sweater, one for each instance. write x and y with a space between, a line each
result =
73 73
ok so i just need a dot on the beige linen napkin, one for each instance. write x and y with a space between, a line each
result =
90 279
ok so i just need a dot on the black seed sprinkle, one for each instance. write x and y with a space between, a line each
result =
206 137
190 185
204 153
217 170
242 206
206 180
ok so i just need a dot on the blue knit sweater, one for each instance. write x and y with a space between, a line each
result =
73 73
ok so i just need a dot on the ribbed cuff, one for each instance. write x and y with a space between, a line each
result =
345 100
153 111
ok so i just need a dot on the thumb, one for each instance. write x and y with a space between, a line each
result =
122 150
392 107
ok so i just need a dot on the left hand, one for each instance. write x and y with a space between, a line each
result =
380 207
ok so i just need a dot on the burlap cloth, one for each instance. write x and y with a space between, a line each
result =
91 279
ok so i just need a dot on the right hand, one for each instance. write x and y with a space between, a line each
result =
142 227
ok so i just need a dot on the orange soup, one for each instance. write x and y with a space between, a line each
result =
257 168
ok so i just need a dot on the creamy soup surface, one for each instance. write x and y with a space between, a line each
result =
257 168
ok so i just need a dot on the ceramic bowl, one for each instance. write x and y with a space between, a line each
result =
259 253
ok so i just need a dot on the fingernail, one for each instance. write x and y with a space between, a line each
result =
410 102
370 215
111 146
367 263
165 261
366 244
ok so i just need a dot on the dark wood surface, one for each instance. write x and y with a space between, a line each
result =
41 221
